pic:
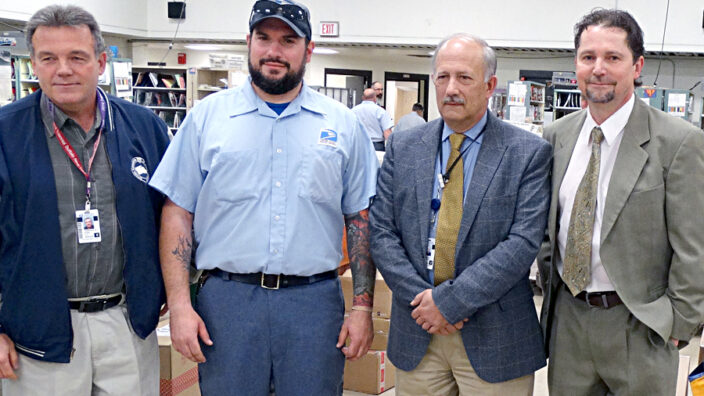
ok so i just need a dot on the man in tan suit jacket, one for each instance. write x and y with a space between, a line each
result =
618 328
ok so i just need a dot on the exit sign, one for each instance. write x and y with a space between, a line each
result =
329 29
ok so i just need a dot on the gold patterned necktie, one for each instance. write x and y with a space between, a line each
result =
450 214
578 253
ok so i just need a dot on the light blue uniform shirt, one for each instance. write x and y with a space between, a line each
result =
374 119
469 159
269 192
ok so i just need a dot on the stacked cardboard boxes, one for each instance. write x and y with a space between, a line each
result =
373 373
178 376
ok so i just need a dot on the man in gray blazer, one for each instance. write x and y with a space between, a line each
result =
614 326
472 329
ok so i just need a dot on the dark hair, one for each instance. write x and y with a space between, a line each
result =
617 19
417 107
64 15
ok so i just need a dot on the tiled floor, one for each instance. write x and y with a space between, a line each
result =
541 376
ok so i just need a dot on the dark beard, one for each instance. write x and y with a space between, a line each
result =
606 98
279 86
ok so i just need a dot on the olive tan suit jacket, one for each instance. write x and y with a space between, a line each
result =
652 233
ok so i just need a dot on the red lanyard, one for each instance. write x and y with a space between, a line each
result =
68 149
71 153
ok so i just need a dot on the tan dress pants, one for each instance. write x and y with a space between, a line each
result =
446 370
109 359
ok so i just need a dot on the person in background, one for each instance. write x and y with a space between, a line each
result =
266 174
378 88
374 119
79 308
457 221
622 262
412 119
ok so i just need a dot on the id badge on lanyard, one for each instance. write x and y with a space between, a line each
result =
88 219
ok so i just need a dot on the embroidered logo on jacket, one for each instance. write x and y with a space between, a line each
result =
139 169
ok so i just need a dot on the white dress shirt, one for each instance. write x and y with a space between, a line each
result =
612 129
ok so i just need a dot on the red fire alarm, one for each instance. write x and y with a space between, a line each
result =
181 58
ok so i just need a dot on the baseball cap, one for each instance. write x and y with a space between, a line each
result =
294 14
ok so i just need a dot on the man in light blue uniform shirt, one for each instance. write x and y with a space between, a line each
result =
268 175
375 119
412 119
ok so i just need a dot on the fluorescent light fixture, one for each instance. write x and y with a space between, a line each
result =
325 51
203 47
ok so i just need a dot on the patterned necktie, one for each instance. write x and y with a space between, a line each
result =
450 214
578 252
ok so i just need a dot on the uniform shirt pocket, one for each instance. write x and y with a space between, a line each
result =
320 178
235 176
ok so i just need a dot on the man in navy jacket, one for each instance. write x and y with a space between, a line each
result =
71 156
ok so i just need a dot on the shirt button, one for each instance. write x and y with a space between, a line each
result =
278 184
277 217
278 150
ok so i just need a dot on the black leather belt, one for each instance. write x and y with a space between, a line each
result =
95 305
269 281
604 300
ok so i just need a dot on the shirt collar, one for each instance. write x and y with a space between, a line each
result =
613 125
249 101
61 118
472 133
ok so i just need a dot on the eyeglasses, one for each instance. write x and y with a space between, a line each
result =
291 12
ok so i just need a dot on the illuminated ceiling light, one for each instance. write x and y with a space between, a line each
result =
203 47
325 51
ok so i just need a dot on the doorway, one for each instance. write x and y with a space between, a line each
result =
353 80
402 90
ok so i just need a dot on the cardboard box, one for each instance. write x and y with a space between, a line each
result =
372 374
381 334
177 375
381 340
382 295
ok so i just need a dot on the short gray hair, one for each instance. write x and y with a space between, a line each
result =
489 56
64 15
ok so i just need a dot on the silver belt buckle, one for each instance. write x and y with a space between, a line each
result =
586 300
278 281
604 301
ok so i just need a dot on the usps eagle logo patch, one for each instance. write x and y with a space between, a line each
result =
139 169
328 137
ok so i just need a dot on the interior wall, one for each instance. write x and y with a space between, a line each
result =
688 70
515 23
125 17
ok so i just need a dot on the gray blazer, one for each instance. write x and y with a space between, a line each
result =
652 235
502 226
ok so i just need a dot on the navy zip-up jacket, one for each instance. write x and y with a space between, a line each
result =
35 312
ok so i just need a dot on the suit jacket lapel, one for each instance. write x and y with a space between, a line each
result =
425 173
490 154
564 142
629 163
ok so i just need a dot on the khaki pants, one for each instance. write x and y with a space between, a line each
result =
446 370
109 359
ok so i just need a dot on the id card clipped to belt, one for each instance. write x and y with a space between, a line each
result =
88 225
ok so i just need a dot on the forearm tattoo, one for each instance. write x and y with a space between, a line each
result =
183 251
363 269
